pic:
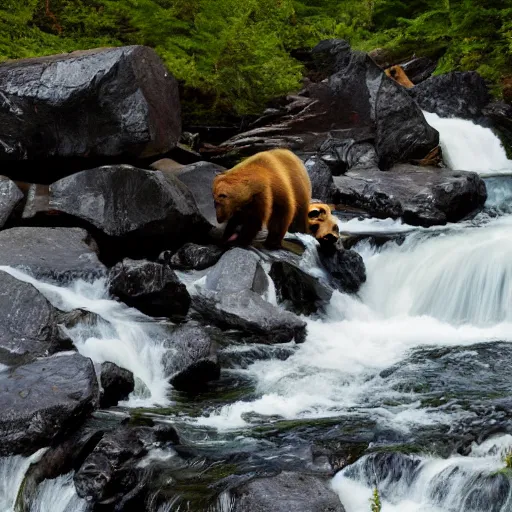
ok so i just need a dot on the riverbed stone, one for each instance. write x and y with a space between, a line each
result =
28 323
116 382
43 399
10 196
286 492
191 360
151 287
195 257
56 254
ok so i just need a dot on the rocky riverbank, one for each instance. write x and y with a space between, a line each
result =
97 187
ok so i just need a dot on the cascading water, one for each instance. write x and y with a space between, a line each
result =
469 147
445 288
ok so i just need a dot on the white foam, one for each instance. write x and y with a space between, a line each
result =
122 335
467 146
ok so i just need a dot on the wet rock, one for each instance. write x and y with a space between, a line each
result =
419 69
329 54
145 211
358 102
500 116
55 254
195 257
300 292
237 270
151 287
117 384
95 103
191 360
456 94
321 179
419 195
345 267
110 472
28 323
285 492
42 399
247 312
10 196
75 317
343 154
198 178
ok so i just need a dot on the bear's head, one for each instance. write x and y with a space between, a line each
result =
230 195
323 224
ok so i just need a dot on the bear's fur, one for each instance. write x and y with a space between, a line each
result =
271 189
323 224
397 73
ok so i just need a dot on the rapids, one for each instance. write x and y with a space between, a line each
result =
435 310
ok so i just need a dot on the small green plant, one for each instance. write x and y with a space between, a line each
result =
507 459
375 503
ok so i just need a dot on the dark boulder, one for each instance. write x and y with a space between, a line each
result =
300 292
321 179
329 55
95 103
246 311
500 116
43 399
110 472
419 195
143 211
419 69
346 268
151 287
191 361
10 196
28 323
117 383
195 257
286 492
457 94
358 102
56 254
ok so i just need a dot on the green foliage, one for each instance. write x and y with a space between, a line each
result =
375 503
233 56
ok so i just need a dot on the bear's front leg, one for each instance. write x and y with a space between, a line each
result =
251 226
278 226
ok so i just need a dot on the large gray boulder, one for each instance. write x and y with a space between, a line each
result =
95 103
143 210
286 492
231 298
56 254
419 195
28 323
41 400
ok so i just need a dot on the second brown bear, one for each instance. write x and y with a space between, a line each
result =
271 189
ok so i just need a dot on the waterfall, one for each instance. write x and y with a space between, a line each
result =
421 484
469 147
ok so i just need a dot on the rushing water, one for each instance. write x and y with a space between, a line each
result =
445 288
469 147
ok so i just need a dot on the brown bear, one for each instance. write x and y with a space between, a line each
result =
397 73
271 189
323 224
